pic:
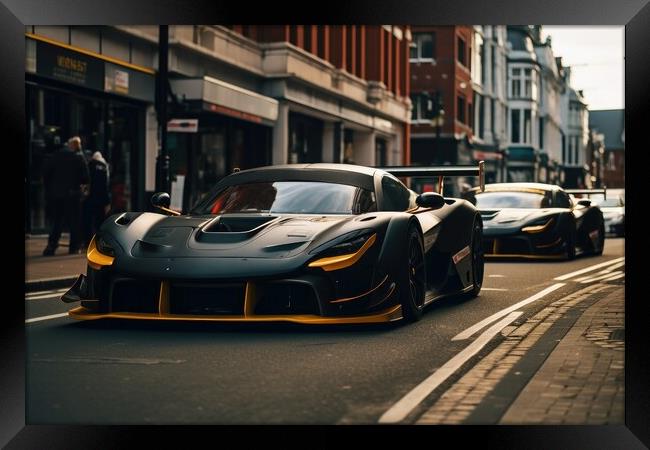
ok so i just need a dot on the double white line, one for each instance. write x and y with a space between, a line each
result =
400 410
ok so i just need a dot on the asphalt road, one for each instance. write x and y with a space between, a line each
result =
127 372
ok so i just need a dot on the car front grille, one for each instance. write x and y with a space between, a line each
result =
207 299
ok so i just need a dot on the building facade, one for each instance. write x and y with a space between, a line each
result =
575 126
260 95
551 91
523 106
442 95
607 147
489 66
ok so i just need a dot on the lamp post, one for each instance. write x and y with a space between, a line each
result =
162 161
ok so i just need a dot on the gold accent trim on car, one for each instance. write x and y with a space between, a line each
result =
538 228
387 315
250 299
84 51
341 300
163 298
96 259
342 261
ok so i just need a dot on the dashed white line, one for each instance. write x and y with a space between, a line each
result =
52 293
477 326
496 276
406 404
53 316
589 269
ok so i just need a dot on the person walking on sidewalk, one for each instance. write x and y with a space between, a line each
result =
98 203
65 178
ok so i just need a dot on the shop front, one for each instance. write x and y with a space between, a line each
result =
71 92
234 131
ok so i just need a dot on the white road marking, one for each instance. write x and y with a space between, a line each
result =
496 276
608 270
589 269
493 289
614 277
607 275
477 326
53 316
406 404
43 293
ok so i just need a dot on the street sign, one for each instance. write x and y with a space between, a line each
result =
183 126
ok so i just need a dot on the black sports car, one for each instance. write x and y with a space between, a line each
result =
309 243
534 220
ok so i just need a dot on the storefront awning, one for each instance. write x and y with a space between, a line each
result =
521 154
225 98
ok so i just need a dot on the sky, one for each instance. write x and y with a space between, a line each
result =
596 55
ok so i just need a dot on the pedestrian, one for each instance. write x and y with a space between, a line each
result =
98 203
65 177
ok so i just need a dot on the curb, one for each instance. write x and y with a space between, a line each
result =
45 284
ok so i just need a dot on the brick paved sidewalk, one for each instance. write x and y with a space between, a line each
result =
582 381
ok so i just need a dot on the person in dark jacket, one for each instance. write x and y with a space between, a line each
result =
98 203
65 175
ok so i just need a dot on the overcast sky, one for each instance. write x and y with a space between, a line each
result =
596 56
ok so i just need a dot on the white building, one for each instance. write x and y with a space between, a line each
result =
489 67
575 127
551 95
523 103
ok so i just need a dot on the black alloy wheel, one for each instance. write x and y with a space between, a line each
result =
413 285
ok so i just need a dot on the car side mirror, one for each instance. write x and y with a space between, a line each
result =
161 200
431 200
584 202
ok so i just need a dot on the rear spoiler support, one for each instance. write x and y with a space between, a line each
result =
588 191
441 172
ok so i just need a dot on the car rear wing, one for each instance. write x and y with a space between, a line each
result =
588 192
441 172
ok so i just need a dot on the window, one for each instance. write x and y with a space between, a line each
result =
515 83
460 109
423 106
514 126
541 132
528 83
395 195
423 47
562 200
564 149
462 58
481 115
527 127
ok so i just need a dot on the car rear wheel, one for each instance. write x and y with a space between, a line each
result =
413 277
570 243
600 243
477 259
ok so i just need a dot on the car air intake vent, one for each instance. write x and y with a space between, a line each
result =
488 215
230 228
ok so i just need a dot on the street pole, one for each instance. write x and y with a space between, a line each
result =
162 161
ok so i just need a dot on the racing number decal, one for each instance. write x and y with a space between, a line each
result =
461 254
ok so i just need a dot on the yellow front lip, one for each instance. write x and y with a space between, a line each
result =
388 315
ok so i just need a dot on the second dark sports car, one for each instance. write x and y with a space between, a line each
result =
310 243
534 220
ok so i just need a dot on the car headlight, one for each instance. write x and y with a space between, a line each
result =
103 246
539 225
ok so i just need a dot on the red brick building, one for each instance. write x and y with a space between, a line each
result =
442 95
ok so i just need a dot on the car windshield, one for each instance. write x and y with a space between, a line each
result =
610 202
290 197
487 200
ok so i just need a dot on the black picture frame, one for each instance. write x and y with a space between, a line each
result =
634 14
